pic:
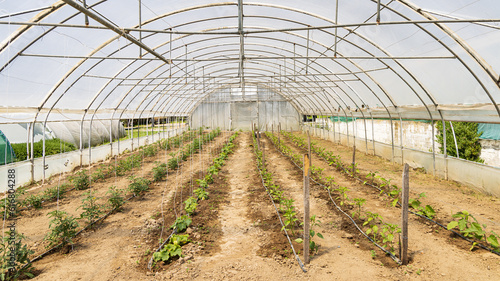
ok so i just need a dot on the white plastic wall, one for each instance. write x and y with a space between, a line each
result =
476 175
66 162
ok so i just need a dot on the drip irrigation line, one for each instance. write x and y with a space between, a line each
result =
396 259
281 221
422 216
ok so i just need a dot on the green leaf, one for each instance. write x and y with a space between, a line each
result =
492 239
299 240
452 225
321 235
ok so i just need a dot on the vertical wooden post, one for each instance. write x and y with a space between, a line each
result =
263 154
272 128
354 161
307 174
404 215
309 146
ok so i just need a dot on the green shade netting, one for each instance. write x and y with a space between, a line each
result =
490 131
6 153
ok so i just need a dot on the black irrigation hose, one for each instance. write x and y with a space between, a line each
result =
281 221
422 216
397 260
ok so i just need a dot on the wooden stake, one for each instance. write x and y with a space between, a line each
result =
263 154
354 160
309 146
307 174
404 215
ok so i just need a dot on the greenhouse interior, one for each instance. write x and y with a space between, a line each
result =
250 140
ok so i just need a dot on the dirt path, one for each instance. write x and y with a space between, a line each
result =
113 251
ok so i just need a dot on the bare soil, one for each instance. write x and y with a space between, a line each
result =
236 233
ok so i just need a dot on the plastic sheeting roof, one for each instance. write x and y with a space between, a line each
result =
426 59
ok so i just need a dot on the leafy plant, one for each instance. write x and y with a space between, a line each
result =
34 201
359 202
116 200
150 151
173 163
388 233
343 196
468 226
370 177
81 180
290 218
99 175
91 209
191 205
313 247
159 171
15 262
172 249
427 211
55 192
62 228
181 223
202 183
201 193
138 185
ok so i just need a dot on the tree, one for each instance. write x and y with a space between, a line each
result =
467 136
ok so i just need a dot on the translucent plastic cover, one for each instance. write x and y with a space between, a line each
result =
81 60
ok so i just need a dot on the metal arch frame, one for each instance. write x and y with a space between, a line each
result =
277 18
403 79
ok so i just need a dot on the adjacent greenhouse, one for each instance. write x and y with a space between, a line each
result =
209 140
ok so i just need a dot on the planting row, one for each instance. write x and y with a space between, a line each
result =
380 232
172 247
290 222
466 224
